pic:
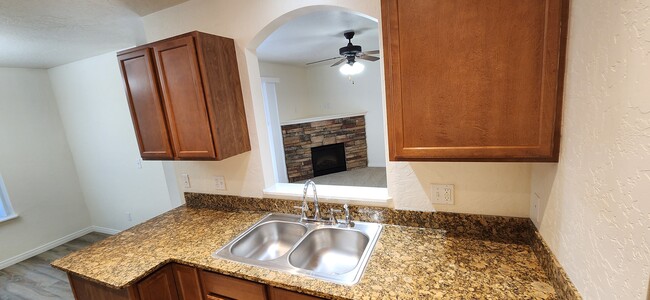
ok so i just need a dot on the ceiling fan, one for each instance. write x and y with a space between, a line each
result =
350 53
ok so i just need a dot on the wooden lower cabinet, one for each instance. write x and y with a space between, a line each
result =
281 294
217 286
181 282
187 282
159 285
84 289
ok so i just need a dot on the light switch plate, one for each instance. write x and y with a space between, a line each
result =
219 183
442 193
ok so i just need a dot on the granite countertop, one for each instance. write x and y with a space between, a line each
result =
407 262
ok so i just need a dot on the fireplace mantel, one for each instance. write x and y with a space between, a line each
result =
322 118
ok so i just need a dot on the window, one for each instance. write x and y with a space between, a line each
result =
6 212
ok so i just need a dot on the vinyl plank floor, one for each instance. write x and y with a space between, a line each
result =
35 279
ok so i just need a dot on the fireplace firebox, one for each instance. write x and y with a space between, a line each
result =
328 159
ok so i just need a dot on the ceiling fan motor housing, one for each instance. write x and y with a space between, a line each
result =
350 50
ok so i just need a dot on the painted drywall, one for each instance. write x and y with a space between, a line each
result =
480 188
335 93
36 165
594 210
292 90
305 92
91 99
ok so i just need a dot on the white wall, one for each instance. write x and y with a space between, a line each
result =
334 93
485 188
36 165
93 106
305 92
292 91
594 205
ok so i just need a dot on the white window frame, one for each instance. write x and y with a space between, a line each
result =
6 211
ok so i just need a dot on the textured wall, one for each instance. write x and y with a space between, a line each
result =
595 206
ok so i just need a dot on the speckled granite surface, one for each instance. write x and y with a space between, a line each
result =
407 263
554 271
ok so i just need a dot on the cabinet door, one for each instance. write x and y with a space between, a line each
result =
281 294
474 80
159 286
220 287
187 282
84 289
185 107
145 104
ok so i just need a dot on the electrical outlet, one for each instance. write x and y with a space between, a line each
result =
138 163
219 182
535 206
128 217
442 193
186 181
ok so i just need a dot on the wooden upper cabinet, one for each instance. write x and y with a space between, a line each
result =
145 104
198 90
178 73
474 80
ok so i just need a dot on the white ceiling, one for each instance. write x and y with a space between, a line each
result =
48 33
317 36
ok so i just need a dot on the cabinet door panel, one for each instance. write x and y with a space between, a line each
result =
145 104
473 79
187 282
159 286
282 294
217 286
185 106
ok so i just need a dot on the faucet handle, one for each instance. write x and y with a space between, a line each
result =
303 211
333 219
348 219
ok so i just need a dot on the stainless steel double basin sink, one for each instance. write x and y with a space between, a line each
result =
336 253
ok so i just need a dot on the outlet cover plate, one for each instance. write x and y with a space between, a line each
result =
442 193
219 183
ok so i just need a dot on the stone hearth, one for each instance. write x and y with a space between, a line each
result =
298 139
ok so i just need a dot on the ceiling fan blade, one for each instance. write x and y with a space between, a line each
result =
371 52
368 57
322 60
338 62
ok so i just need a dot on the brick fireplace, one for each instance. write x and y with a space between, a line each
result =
299 139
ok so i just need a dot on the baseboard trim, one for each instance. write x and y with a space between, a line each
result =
58 242
105 230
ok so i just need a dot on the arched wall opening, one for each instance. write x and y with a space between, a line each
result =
272 186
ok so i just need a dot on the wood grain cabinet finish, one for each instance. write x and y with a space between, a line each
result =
474 80
187 282
176 281
145 104
281 294
217 287
83 289
185 98
158 286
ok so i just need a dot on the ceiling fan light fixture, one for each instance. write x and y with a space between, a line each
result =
351 69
